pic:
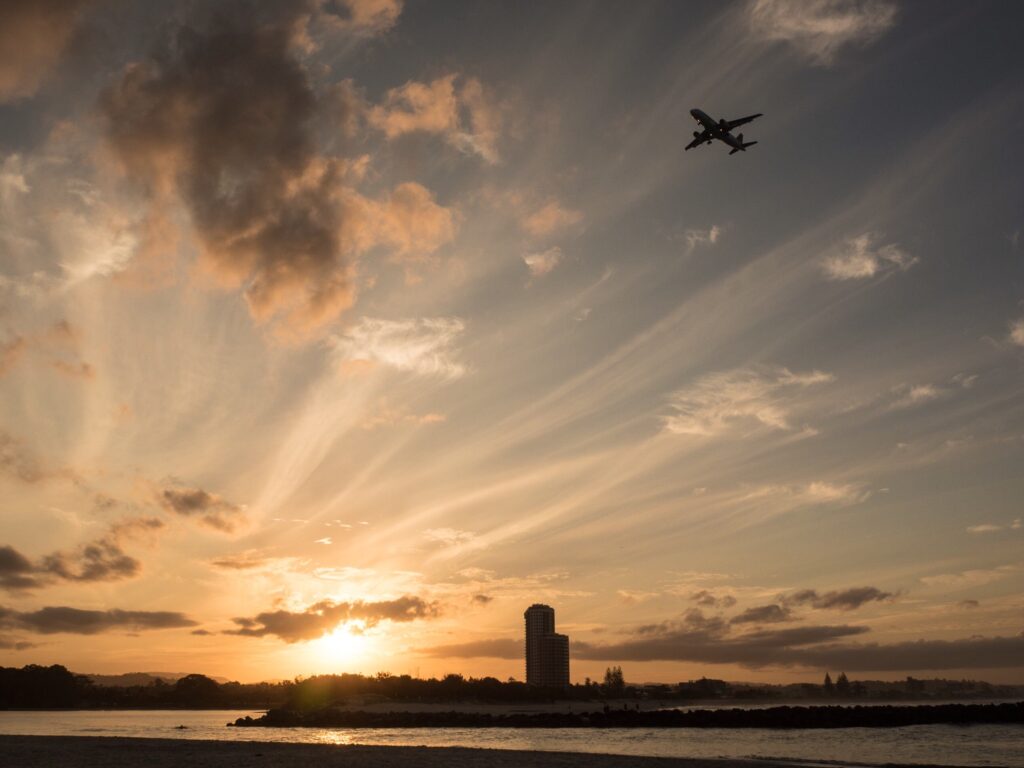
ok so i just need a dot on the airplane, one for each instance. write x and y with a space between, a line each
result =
720 130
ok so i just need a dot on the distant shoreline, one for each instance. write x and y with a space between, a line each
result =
884 716
118 752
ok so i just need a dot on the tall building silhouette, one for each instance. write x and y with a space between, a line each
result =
547 652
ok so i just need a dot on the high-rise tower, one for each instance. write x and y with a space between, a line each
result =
547 652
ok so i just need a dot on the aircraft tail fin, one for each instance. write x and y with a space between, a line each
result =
749 144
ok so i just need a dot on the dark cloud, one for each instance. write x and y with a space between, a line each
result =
763 614
208 508
241 562
965 653
62 619
497 648
969 604
843 600
13 644
201 632
33 35
320 618
714 646
16 570
708 599
103 559
100 560
482 599
694 637
222 117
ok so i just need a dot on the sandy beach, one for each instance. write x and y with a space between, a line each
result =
103 752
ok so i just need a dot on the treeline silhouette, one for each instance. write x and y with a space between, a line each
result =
38 687
55 687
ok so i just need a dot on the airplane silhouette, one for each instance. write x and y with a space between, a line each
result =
720 130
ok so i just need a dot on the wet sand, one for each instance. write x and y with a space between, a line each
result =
106 752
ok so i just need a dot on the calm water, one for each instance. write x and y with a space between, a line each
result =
976 745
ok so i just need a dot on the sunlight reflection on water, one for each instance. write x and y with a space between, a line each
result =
977 745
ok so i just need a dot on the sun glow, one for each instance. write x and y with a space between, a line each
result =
345 645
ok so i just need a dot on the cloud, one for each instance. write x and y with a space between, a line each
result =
974 577
62 619
385 415
102 559
813 647
408 221
14 644
984 528
634 596
860 257
496 648
482 599
820 29
448 536
843 599
720 402
33 37
207 508
710 600
359 16
424 346
58 339
1017 332
543 262
457 108
550 218
697 237
323 617
696 637
244 561
763 614
223 119
201 632
16 571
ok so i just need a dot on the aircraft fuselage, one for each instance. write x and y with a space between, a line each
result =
715 129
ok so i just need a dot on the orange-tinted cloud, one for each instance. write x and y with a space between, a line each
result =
320 618
550 218
459 109
223 122
33 36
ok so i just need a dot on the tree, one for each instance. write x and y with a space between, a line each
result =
842 685
614 682
830 690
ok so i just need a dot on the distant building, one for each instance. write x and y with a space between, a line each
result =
547 652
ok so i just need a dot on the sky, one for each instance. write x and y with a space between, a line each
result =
335 333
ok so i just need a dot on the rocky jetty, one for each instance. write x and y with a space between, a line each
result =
880 716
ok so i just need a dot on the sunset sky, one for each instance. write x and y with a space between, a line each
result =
334 334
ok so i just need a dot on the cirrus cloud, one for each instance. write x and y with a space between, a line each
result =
425 347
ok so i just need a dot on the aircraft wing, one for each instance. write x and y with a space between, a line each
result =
743 120
698 140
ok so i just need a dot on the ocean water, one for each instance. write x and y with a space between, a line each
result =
974 745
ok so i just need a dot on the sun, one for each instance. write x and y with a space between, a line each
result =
342 646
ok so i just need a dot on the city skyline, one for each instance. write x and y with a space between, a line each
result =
333 334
